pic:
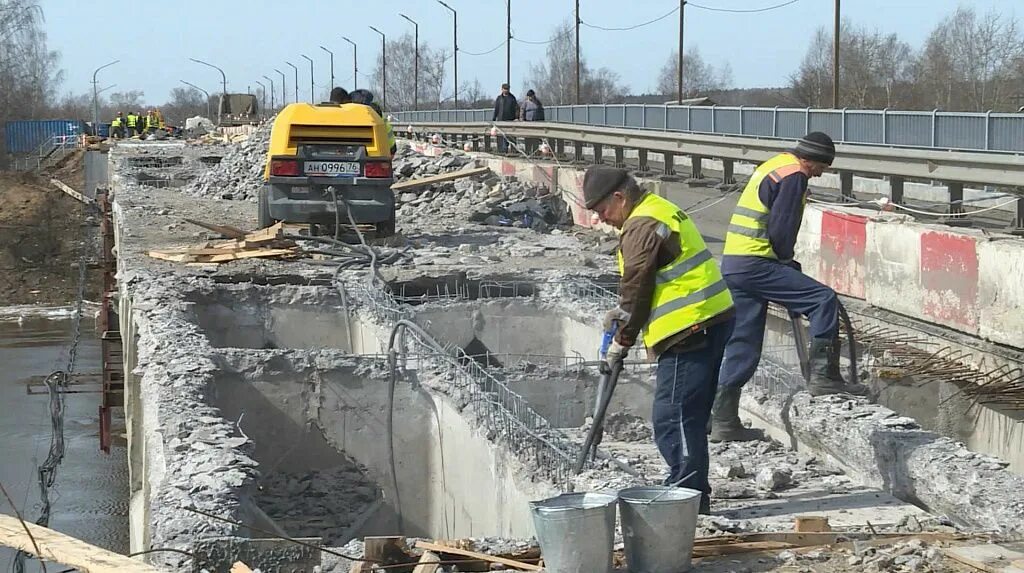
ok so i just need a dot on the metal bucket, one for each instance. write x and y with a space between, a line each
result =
576 532
658 526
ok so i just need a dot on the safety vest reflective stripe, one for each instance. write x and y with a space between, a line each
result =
748 228
752 233
755 215
690 289
678 268
132 120
680 303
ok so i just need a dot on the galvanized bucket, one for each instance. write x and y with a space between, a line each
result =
658 526
576 532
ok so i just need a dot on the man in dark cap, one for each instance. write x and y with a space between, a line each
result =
340 95
759 268
672 293
506 108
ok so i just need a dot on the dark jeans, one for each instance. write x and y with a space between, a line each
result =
686 384
769 280
502 144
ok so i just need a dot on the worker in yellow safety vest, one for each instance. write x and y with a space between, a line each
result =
117 126
759 266
132 123
672 294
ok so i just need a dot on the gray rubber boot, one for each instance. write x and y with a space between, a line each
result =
825 373
725 418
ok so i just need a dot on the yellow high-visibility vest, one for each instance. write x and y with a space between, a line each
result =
689 290
116 122
748 227
132 120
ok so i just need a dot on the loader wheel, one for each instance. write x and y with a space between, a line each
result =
264 219
386 228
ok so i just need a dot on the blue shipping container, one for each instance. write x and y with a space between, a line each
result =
103 130
26 136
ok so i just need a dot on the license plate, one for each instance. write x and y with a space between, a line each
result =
332 168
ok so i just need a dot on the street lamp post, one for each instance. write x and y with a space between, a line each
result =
312 98
331 85
263 97
284 92
272 104
455 49
383 67
96 95
205 93
416 64
296 80
223 78
355 63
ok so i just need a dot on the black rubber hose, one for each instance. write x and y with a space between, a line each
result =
851 343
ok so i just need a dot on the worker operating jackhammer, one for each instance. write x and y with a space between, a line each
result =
759 268
672 291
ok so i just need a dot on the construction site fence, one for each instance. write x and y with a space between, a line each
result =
988 131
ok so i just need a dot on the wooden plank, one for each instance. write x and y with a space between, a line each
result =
732 548
244 255
481 556
171 256
988 557
272 232
428 563
66 550
60 185
225 230
240 567
415 183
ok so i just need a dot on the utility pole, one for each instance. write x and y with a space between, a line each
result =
263 97
835 60
205 93
272 104
296 70
331 85
284 91
508 41
383 67
355 64
455 49
577 52
416 64
223 78
679 90
96 95
312 97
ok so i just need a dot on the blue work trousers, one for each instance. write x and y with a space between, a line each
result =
765 280
686 384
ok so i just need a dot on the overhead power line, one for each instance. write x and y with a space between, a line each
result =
548 41
742 10
495 48
634 27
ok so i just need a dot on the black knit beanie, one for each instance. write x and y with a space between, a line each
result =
816 146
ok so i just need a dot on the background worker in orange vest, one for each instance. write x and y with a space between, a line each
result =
758 266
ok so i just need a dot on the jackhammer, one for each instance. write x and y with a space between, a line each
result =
605 388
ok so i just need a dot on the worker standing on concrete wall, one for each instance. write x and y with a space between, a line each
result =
671 290
759 268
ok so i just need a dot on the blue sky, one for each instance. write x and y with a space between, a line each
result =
154 39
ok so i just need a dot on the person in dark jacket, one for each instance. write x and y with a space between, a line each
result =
506 108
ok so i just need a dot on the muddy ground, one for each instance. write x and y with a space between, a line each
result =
43 236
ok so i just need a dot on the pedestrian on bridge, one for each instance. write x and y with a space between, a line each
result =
506 108
671 292
759 267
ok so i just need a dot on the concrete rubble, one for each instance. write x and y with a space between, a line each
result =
462 237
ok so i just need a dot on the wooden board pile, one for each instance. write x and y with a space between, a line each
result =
263 243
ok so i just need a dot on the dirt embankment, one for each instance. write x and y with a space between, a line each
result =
42 235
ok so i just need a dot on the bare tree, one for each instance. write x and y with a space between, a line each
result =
402 77
28 69
187 102
699 76
554 80
972 62
875 69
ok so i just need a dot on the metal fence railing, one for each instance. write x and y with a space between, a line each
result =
987 131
